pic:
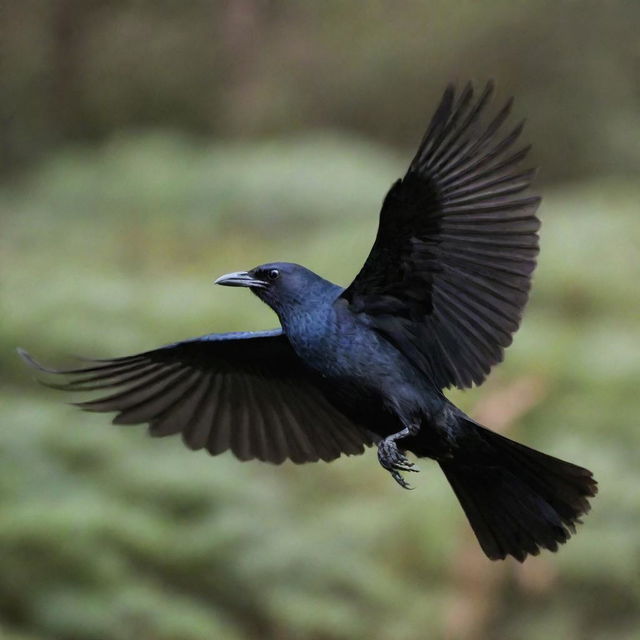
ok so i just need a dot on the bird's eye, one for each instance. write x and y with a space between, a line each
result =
273 274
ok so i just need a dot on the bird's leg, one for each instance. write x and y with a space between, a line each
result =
393 459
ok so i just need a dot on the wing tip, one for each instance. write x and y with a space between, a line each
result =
33 364
30 361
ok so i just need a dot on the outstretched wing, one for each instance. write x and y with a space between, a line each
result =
247 392
450 270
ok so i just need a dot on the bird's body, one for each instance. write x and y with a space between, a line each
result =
358 370
434 305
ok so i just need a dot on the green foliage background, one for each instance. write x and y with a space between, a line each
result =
194 139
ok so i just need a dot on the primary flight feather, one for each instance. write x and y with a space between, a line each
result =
435 304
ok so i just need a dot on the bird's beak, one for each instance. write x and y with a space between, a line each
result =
239 279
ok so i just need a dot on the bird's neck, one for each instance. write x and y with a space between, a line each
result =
310 319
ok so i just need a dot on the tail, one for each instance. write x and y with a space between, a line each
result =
517 500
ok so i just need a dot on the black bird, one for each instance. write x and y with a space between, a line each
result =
434 306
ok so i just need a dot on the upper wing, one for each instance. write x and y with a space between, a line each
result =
449 272
247 392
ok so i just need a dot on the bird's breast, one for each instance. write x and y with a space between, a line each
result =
363 374
344 351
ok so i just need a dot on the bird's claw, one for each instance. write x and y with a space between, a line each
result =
400 480
394 461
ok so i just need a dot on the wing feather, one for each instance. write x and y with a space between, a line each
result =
449 272
195 430
244 392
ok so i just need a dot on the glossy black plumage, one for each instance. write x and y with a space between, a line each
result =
434 305
449 273
247 392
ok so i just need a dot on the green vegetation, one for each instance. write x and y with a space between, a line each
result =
107 534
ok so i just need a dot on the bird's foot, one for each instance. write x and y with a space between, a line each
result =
393 460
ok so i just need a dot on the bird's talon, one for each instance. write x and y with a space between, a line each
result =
400 480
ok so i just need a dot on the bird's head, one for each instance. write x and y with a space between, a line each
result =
281 285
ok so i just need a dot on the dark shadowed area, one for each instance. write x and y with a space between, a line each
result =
148 147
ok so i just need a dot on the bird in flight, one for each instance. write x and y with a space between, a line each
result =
434 306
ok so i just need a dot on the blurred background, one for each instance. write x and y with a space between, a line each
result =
148 147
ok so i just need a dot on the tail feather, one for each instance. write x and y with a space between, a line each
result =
518 500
